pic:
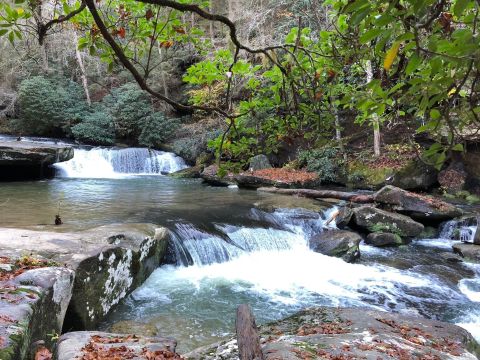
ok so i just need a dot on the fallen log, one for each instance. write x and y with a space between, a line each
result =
248 339
319 194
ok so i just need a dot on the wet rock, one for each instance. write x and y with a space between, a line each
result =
33 305
339 243
134 327
109 262
259 162
416 175
423 208
344 216
468 251
384 239
188 173
451 257
211 176
101 345
27 160
352 333
253 182
376 220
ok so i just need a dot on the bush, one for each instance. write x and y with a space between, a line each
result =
129 106
157 129
326 162
96 128
49 106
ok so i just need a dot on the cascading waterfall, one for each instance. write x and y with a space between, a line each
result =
463 230
112 163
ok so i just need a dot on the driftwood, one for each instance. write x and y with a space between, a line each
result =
332 194
247 335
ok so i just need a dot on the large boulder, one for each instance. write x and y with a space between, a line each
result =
384 239
339 243
109 262
101 345
468 251
32 305
416 175
352 333
259 162
372 219
211 175
28 160
421 207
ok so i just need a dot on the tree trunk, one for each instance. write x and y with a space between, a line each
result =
162 72
325 194
247 335
83 73
375 120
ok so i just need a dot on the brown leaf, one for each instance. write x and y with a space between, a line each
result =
43 354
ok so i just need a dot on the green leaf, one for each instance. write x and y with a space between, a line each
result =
460 7
3 32
370 35
413 63
458 147
435 114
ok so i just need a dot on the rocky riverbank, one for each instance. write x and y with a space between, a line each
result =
23 160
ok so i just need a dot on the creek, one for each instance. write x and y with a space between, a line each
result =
233 246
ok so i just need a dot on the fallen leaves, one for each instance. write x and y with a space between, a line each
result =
330 328
43 354
285 175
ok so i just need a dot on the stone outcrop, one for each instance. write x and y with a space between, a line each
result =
423 208
100 345
32 305
468 251
210 175
349 333
384 239
339 243
371 219
99 267
193 172
28 160
259 162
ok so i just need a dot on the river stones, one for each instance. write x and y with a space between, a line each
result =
384 239
352 333
101 345
420 207
339 243
469 251
372 219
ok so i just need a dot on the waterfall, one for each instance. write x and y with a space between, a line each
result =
112 163
463 230
290 229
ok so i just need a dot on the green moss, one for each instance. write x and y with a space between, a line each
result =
366 176
385 228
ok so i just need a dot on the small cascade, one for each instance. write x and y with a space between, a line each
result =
112 163
291 229
463 230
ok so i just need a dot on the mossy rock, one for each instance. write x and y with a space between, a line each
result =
362 175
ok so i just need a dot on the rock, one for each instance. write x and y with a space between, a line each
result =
416 175
339 243
420 207
259 162
476 238
352 333
376 220
344 216
27 160
384 239
33 305
101 345
210 176
451 257
252 182
109 262
468 251
188 173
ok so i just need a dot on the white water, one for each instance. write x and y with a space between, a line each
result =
114 163
459 230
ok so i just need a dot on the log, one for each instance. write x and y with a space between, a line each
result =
318 194
247 335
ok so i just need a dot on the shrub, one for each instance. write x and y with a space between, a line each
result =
326 162
49 106
96 128
157 129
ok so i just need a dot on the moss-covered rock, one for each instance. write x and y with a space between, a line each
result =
188 173
339 243
381 239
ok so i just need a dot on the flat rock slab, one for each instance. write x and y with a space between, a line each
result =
469 251
32 305
28 153
109 262
350 333
421 207
86 345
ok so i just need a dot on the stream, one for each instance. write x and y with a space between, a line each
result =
233 246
